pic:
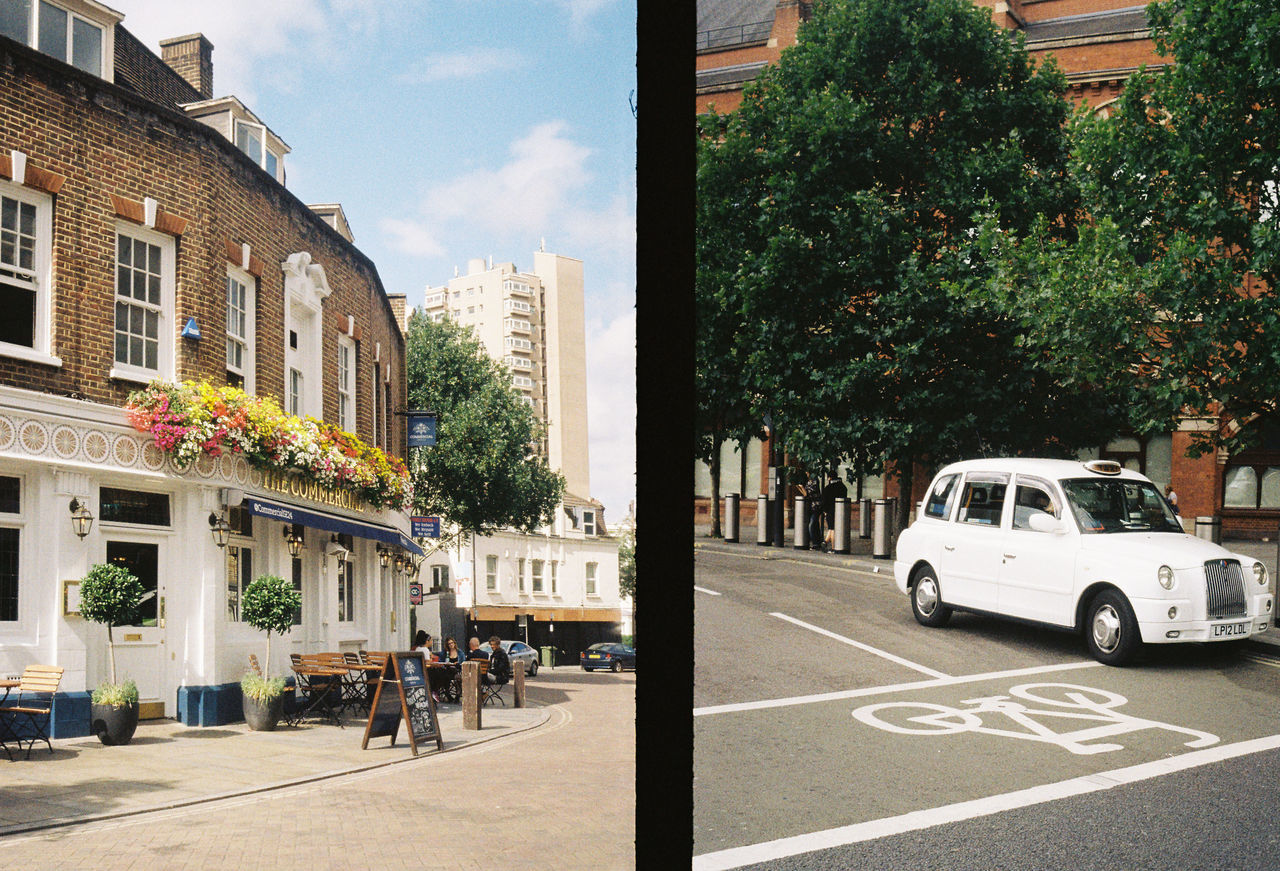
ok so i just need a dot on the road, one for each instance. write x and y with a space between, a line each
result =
559 796
833 731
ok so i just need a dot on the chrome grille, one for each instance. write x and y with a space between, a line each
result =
1224 589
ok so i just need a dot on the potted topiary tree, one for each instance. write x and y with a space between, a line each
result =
268 604
110 594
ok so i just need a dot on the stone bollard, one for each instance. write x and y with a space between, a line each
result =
470 695
517 685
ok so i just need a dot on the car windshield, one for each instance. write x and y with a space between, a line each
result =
1119 506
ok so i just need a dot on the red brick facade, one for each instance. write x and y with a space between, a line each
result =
114 149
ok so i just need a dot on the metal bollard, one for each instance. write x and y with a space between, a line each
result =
762 520
1209 528
864 518
880 532
840 534
801 519
731 517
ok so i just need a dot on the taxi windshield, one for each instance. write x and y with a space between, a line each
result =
1119 506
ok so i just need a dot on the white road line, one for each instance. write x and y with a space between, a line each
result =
858 644
736 857
895 688
705 590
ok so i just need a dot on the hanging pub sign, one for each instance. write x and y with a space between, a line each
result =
425 527
422 429
415 593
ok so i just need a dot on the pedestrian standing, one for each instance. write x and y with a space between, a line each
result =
813 504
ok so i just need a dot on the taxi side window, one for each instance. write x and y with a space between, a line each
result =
939 503
1029 500
982 502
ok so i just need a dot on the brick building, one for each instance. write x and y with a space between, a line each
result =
1097 44
146 233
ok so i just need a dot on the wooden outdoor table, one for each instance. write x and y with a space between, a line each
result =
317 697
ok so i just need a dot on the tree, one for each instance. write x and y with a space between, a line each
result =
268 606
482 474
1186 171
110 594
873 149
724 408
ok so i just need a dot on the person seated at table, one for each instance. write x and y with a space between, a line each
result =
452 654
422 639
499 662
474 650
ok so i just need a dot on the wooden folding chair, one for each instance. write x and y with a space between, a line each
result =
30 713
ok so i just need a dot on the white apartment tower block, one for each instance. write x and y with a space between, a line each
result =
534 323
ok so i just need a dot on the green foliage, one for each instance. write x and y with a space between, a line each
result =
481 475
116 695
1186 171
261 689
853 181
269 603
627 564
110 594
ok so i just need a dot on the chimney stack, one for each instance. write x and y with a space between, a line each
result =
191 57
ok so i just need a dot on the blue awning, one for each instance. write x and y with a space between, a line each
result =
329 522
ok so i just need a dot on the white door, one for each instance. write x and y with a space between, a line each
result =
140 651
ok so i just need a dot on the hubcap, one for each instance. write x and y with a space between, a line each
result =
1106 629
926 596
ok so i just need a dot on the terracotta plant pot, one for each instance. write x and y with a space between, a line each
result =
113 725
263 716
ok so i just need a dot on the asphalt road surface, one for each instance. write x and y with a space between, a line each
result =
833 731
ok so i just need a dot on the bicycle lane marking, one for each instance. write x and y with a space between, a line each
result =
736 857
817 698
858 644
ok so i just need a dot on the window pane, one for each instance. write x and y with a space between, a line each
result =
18 326
141 561
53 31
123 248
133 506
10 495
8 574
1241 489
86 46
15 20
1271 488
271 165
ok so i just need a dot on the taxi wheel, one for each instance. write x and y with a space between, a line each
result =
617 666
1110 629
926 599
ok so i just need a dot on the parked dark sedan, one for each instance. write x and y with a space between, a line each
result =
608 654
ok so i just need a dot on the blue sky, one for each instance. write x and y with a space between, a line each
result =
450 130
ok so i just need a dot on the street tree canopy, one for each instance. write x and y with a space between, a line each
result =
1183 178
870 153
482 474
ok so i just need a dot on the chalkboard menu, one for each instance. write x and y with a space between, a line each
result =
403 693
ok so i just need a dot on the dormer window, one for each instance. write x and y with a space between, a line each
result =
78 32
253 138
250 139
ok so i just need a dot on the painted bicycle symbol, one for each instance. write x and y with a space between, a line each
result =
1064 705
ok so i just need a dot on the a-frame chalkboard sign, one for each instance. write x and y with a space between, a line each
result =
403 694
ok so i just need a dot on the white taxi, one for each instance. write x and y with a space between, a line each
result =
1083 546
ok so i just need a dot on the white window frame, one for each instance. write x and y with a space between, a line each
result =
589 579
19 521
588 521
39 278
82 12
536 570
164 310
491 572
296 390
236 564
346 384
440 577
520 561
347 591
555 585
246 341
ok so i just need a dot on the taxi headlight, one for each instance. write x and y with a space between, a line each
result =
1165 577
1260 573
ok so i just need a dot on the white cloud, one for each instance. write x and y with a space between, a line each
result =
611 412
461 65
411 237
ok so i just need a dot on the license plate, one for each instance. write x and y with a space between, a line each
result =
1229 630
593 656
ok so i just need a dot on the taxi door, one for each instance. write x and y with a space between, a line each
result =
972 546
1037 569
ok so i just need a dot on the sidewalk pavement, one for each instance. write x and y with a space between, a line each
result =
169 765
860 558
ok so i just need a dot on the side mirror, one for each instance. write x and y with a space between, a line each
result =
1041 522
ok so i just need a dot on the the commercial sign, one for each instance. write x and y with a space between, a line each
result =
415 593
422 429
425 527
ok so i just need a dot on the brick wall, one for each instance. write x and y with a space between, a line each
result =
143 73
110 143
